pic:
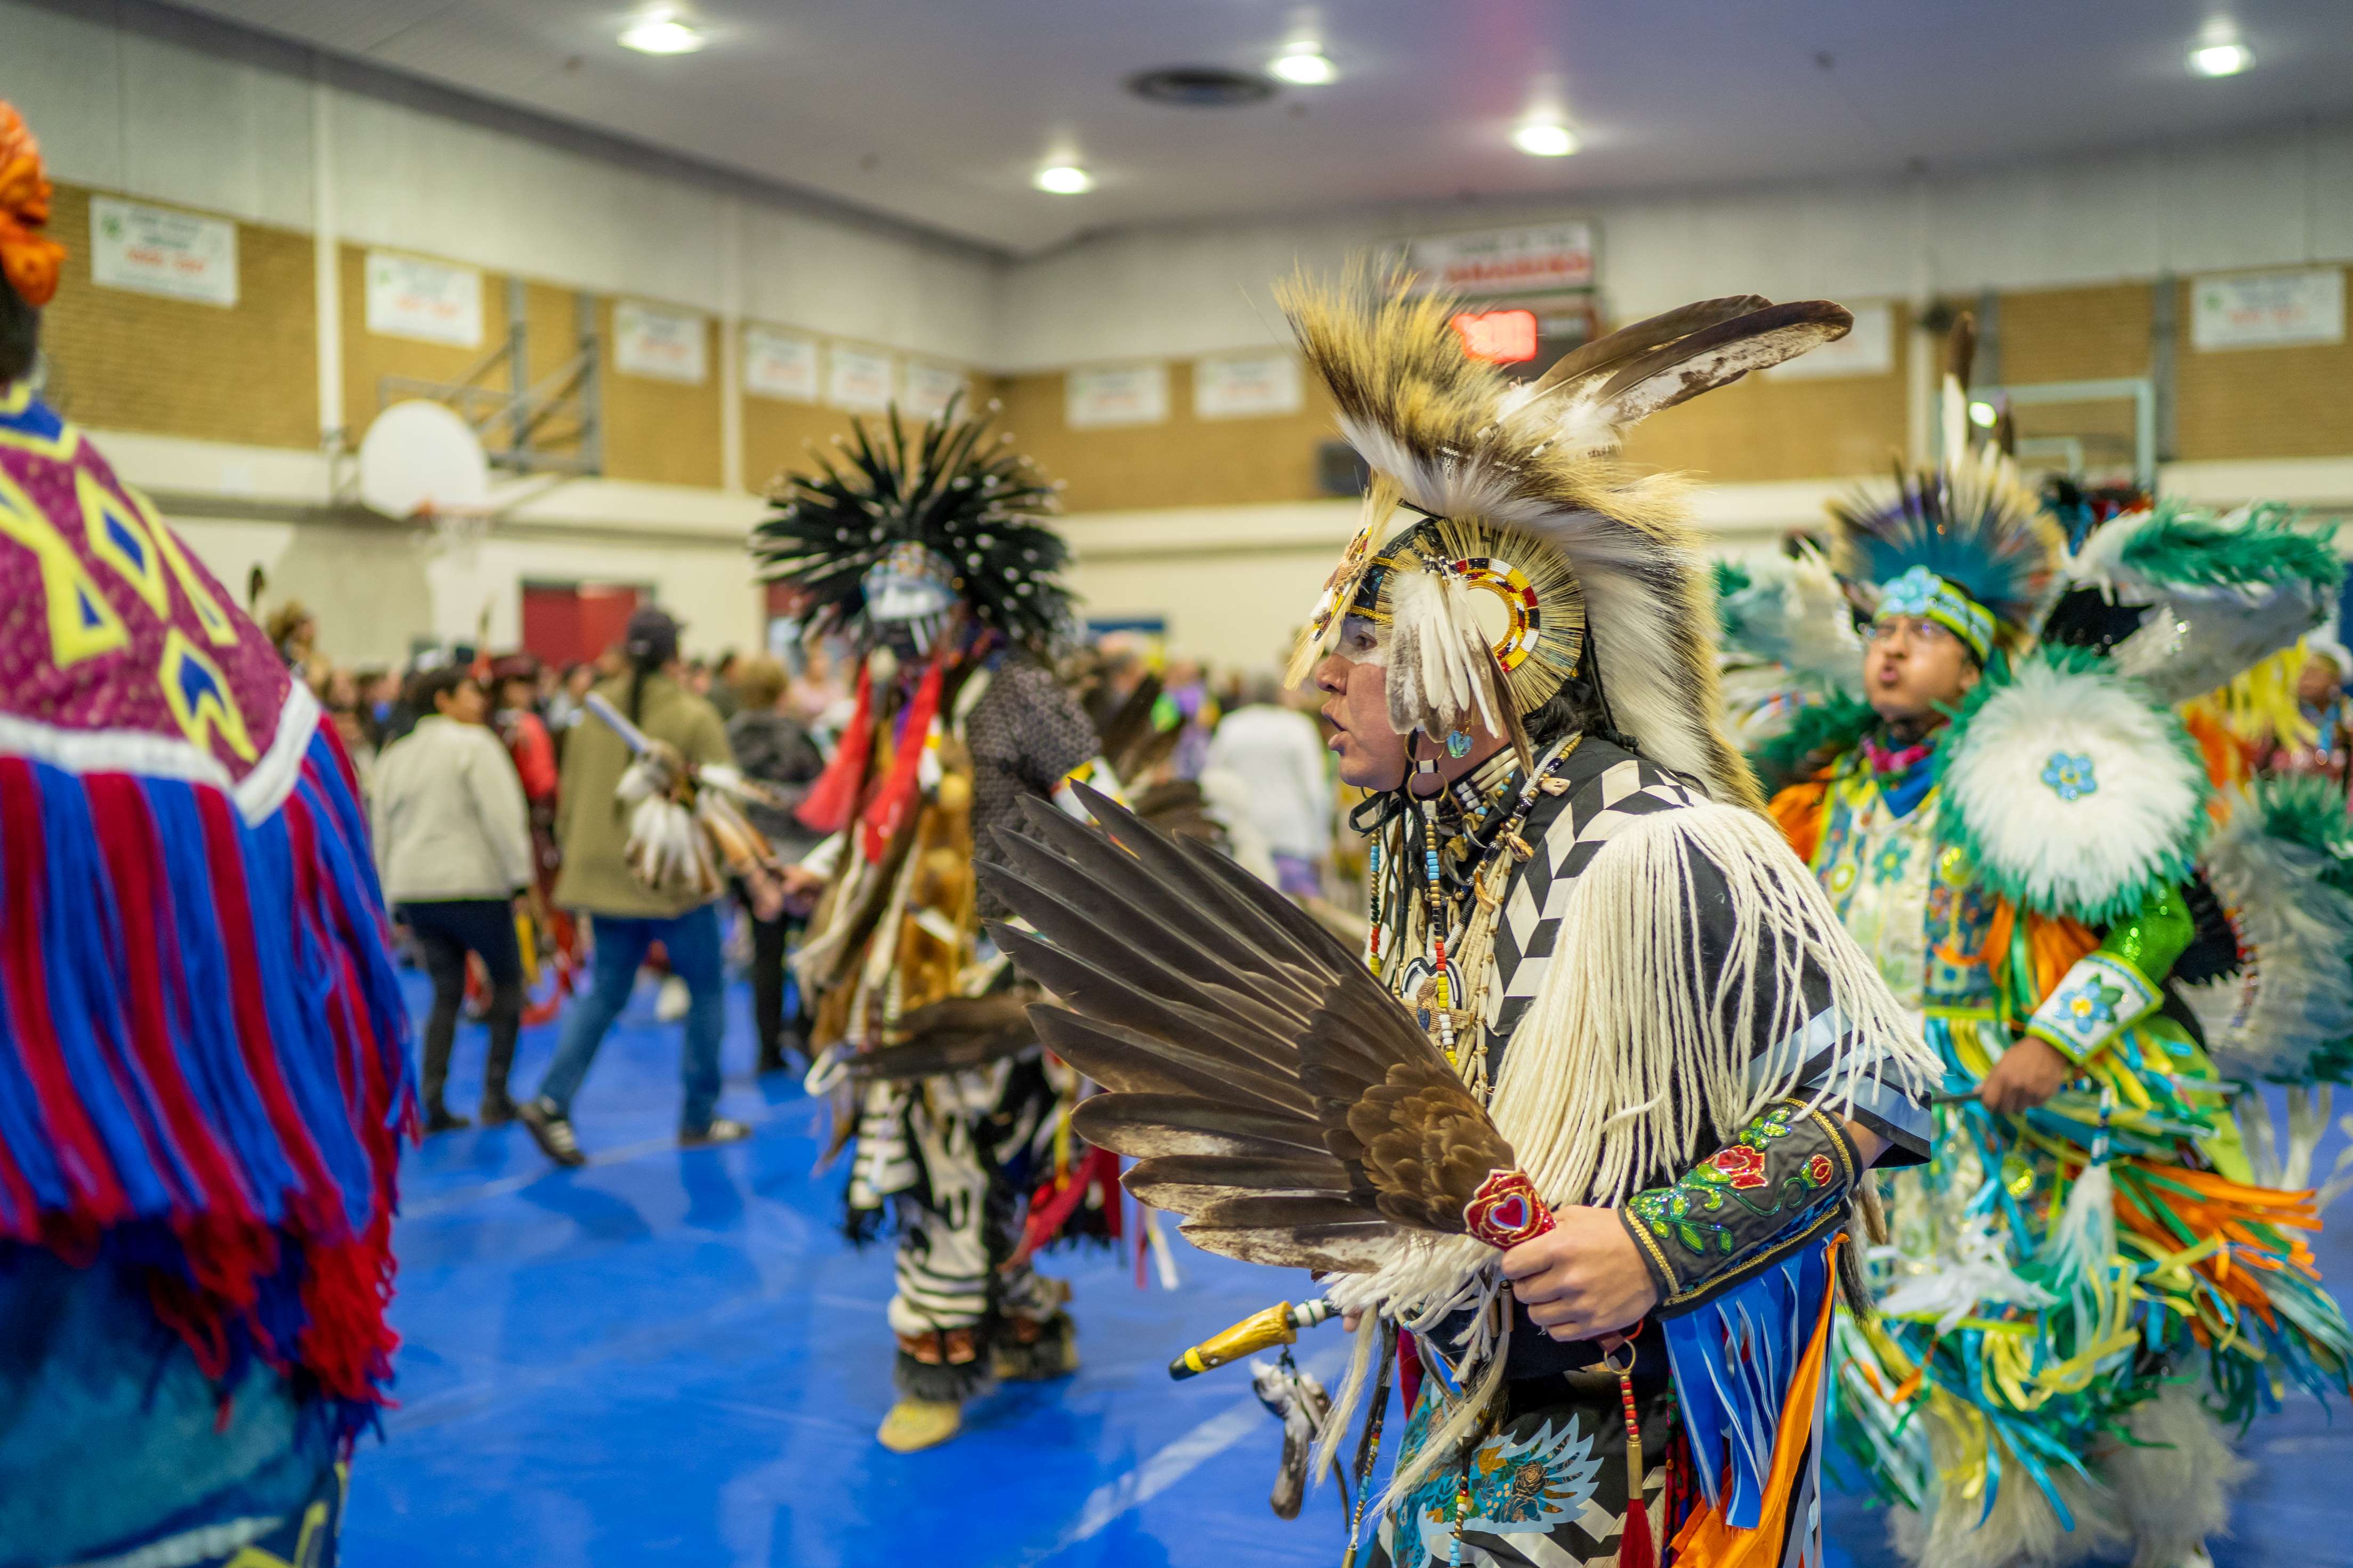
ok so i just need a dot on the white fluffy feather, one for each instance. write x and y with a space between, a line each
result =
2173 1482
1794 614
2074 856
2193 639
2295 991
1435 652
1973 1271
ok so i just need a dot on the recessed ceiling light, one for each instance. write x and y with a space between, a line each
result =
662 33
1543 139
1306 66
1063 180
1983 415
2219 59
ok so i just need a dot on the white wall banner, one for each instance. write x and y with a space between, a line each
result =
2268 309
861 379
1867 350
1506 260
154 250
781 364
1108 394
661 342
928 389
408 297
1246 385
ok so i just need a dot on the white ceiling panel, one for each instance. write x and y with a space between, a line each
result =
936 111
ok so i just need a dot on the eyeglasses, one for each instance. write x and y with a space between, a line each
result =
1911 628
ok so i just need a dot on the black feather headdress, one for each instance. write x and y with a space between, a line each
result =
974 505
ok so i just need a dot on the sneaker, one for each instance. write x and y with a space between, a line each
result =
441 1118
552 1130
723 1130
496 1110
672 1000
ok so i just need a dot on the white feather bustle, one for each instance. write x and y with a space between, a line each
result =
2194 637
2295 991
1630 1048
1793 614
2078 857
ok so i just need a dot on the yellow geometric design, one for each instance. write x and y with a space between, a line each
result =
82 625
199 697
120 537
68 437
220 629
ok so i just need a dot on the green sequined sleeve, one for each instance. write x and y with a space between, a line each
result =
2109 990
2154 939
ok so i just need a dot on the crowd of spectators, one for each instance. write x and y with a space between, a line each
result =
491 786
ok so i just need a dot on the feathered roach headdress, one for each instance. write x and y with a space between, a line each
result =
898 526
1531 554
1965 544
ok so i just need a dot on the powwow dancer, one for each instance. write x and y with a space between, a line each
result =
2088 1231
203 1072
928 548
1578 1133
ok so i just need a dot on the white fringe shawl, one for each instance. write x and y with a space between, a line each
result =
1630 1045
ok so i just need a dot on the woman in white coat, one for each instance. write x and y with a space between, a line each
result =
453 845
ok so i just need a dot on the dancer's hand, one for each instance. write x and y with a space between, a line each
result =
2029 1073
1582 1278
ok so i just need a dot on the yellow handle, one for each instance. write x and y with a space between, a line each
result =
1255 1333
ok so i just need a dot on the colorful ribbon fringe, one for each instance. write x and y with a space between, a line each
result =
204 1070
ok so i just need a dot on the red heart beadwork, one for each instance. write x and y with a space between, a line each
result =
1506 1211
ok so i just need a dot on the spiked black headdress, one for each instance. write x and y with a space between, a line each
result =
945 496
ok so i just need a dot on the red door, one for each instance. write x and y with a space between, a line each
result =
567 623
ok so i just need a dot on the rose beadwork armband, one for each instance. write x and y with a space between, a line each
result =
1783 1181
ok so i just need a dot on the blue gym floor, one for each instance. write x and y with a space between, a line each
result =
674 1358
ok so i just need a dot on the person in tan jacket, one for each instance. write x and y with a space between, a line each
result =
453 846
627 917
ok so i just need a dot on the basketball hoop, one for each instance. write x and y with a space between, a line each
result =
455 531
420 459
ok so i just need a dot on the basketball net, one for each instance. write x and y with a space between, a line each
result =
456 531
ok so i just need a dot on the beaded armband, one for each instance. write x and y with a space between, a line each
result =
2100 997
1783 1181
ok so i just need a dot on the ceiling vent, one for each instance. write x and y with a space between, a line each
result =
1201 86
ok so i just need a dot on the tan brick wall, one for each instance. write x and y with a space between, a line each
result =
246 374
1759 429
2074 334
2262 403
1183 462
777 435
370 357
660 432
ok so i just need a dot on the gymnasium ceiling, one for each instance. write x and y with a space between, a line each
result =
937 113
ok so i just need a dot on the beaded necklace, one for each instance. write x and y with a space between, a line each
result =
1477 871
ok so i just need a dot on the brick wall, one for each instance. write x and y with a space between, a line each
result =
246 372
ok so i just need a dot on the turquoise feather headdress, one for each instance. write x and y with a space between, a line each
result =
1969 546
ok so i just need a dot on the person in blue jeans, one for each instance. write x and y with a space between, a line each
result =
627 917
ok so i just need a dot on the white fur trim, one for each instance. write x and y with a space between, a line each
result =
2073 856
146 755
